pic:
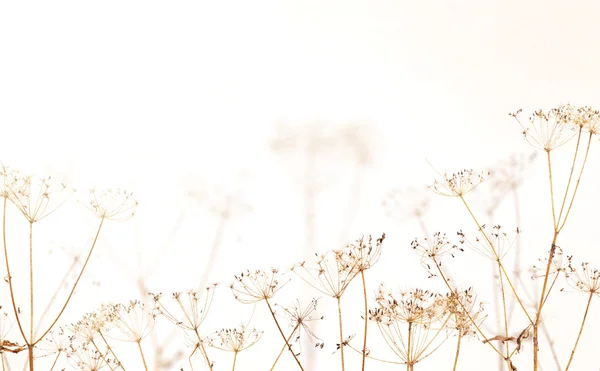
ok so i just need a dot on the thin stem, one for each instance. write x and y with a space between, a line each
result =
234 359
54 296
543 298
457 352
587 151
467 312
408 348
282 335
339 305
55 360
139 344
201 346
102 355
64 307
284 346
562 206
364 284
31 284
110 349
503 296
10 285
587 308
549 161
497 258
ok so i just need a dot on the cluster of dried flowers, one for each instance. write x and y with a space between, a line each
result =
414 323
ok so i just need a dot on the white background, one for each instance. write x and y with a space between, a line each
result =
178 102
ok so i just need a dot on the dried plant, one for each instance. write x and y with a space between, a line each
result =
192 310
411 322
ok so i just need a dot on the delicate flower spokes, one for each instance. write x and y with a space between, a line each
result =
192 307
547 130
493 243
458 184
583 278
234 339
112 204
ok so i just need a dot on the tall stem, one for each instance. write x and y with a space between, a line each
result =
408 348
234 359
364 284
202 349
457 352
31 295
282 335
587 308
503 270
284 346
139 344
339 305
64 307
10 285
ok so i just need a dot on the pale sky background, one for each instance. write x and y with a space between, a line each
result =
178 101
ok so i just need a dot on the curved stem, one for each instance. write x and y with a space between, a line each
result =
282 335
587 308
64 307
10 285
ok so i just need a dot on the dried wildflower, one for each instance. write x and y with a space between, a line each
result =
234 340
362 254
583 278
86 357
547 130
57 341
132 321
11 181
253 286
493 243
404 203
408 320
299 318
464 310
112 204
331 275
457 184
193 309
434 249
36 197
558 264
581 118
92 324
